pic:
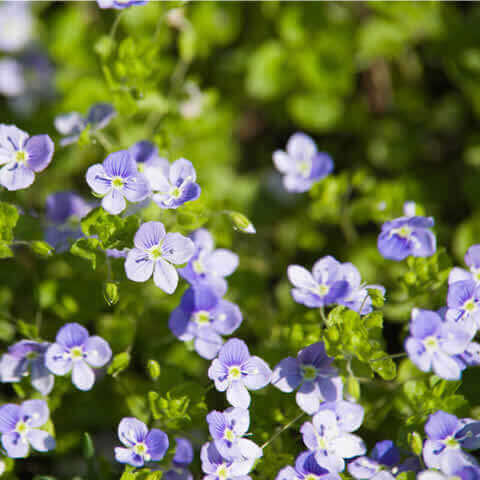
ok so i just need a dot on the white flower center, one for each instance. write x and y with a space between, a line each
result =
155 252
403 232
304 168
431 344
76 353
142 450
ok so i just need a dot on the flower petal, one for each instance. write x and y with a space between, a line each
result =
138 265
15 445
149 235
36 411
182 170
258 373
15 176
98 180
55 360
9 416
165 276
131 431
441 425
40 152
120 164
125 455
177 249
286 375
237 395
136 188
301 278
221 261
157 444
114 202
82 376
72 335
98 351
234 352
41 440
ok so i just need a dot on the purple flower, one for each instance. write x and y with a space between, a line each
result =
19 426
203 317
324 286
433 344
142 445
63 211
228 429
116 179
208 265
26 357
302 164
463 301
384 454
349 415
462 473
172 185
357 296
313 372
472 259
182 459
407 236
120 4
331 441
71 125
447 436
306 468
22 156
237 372
12 78
155 251
218 468
75 350
470 357
16 25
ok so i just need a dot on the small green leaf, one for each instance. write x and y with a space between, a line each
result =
5 250
28 330
415 442
88 448
120 362
353 387
378 299
42 248
86 248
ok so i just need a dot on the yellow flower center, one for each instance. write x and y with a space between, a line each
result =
222 472
309 372
198 267
21 428
117 182
202 317
469 305
140 449
234 373
229 435
155 252
21 156
76 353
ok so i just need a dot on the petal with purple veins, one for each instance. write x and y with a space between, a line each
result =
131 431
15 445
149 235
72 335
15 176
82 376
40 152
98 352
157 444
98 180
114 202
165 276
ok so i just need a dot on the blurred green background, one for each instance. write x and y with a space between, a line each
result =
391 90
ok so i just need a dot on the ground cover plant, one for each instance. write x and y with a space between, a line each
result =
239 240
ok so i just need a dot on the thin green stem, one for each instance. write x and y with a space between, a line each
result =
103 140
115 24
395 355
322 314
279 432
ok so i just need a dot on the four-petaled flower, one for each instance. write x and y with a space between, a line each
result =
120 4
302 164
237 372
447 438
324 286
26 357
117 178
384 456
173 185
306 468
141 444
433 343
209 265
407 236
331 441
203 317
313 372
155 251
75 350
19 426
218 468
463 301
228 429
22 156
71 125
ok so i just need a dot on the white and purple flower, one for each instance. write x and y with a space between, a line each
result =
117 179
407 236
228 429
463 301
181 460
302 164
208 265
76 351
306 468
72 124
155 253
120 4
472 260
218 468
204 317
379 465
324 286
27 357
447 439
22 156
140 444
313 372
434 343
20 428
237 372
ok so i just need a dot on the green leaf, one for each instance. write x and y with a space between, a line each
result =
86 248
120 362
5 250
415 443
8 219
28 330
377 297
42 248
88 448
385 367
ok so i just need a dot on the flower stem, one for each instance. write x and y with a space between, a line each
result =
279 432
395 355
